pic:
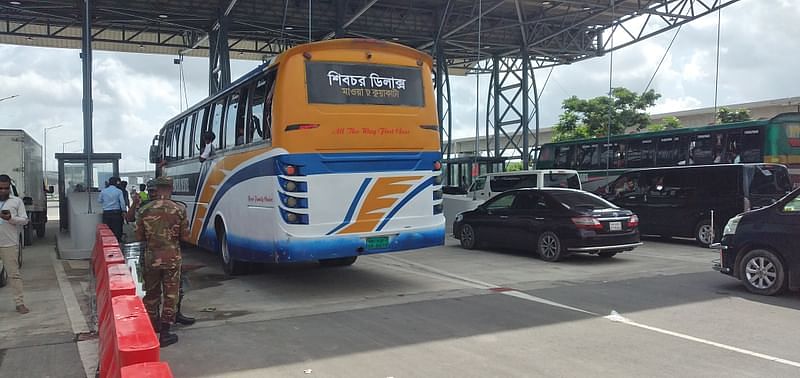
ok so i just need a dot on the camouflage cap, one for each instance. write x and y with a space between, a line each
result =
162 181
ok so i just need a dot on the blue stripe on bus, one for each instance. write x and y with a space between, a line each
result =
353 206
299 250
404 201
362 162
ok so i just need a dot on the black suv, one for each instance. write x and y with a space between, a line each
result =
759 247
679 201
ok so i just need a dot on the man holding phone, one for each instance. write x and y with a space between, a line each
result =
12 215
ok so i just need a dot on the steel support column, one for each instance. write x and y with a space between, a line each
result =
86 57
219 62
525 118
443 108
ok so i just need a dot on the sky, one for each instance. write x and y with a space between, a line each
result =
134 94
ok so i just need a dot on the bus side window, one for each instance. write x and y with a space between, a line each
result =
200 129
231 115
216 121
188 137
255 125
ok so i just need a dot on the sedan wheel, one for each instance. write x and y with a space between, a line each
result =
550 247
762 272
468 237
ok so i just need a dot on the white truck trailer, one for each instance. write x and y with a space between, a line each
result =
22 160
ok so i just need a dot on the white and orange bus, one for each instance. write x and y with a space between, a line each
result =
329 152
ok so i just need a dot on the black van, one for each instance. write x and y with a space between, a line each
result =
678 201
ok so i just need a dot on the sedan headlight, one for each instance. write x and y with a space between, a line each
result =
459 217
730 227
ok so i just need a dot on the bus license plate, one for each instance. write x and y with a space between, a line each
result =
378 242
615 226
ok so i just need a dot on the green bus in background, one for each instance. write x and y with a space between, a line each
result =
600 160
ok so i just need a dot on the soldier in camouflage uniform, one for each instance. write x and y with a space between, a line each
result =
162 223
136 204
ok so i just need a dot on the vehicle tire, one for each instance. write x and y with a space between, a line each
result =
762 272
469 238
229 264
549 247
703 233
607 255
40 231
341 261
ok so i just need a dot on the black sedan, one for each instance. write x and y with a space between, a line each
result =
552 222
759 247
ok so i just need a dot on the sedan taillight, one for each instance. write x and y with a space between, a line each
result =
633 222
587 223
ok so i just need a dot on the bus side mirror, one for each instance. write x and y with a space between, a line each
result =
154 155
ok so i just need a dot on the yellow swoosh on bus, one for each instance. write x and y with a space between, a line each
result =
381 198
214 181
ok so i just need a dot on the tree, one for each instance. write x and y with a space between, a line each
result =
668 123
725 115
594 117
514 166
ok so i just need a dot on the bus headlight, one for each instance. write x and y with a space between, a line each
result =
291 186
730 227
291 217
291 202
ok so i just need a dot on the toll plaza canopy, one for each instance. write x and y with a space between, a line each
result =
507 39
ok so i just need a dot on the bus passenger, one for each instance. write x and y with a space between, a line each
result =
208 139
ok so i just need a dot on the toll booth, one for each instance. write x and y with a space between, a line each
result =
79 184
461 171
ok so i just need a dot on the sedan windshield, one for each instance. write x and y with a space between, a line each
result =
572 199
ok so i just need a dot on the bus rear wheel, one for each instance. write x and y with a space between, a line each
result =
229 264
341 261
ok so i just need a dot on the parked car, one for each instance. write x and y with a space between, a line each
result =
758 247
552 222
678 201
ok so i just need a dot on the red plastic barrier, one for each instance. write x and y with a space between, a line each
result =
129 339
147 370
111 255
119 282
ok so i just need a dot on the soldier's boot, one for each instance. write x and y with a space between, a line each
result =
156 324
180 318
165 338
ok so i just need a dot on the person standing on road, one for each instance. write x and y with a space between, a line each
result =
113 202
12 215
162 224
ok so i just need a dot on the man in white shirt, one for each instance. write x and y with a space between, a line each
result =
12 215
208 139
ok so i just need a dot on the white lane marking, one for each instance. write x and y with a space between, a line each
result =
614 316
617 318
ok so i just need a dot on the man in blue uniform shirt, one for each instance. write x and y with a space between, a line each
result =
113 202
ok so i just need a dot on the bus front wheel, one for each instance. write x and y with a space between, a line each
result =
229 264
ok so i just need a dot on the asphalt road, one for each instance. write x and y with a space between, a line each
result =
447 312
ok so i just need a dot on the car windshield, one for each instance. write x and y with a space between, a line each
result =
572 199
